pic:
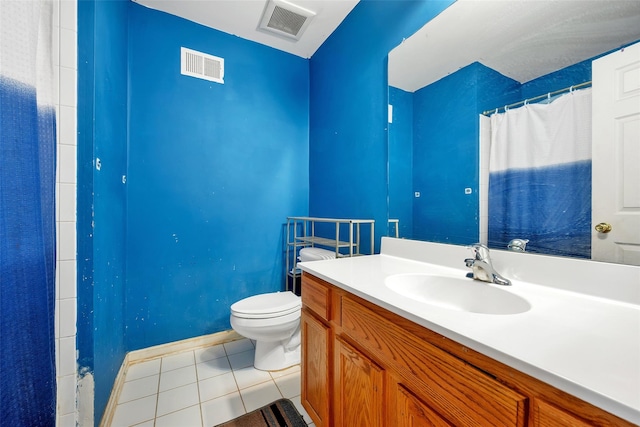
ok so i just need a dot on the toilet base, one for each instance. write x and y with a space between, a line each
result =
272 356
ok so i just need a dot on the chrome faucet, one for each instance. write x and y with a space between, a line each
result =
518 245
482 267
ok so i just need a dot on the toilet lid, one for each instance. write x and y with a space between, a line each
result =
267 305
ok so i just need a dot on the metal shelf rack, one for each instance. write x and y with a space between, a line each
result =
303 232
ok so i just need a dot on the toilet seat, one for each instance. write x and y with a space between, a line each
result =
266 306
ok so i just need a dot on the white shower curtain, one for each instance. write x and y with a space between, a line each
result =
540 176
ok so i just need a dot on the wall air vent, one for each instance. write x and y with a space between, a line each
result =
285 19
201 65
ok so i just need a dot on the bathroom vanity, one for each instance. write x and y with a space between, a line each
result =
374 354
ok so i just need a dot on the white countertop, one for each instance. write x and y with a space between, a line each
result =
585 345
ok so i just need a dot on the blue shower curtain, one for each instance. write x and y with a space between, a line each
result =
540 176
27 216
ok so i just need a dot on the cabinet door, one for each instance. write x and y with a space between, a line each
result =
456 390
546 415
412 412
359 389
315 368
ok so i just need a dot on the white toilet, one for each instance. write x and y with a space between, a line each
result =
273 321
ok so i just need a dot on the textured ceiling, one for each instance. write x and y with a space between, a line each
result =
521 39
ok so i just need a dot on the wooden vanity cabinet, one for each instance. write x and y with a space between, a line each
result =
412 412
546 415
358 388
363 366
317 350
452 389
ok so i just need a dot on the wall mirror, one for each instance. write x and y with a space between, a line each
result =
476 56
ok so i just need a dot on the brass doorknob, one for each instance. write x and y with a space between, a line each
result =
603 227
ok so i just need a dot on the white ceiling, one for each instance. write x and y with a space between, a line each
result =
521 39
242 17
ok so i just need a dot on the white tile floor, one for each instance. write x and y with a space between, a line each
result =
202 388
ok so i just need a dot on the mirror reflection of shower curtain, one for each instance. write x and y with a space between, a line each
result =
540 176
27 215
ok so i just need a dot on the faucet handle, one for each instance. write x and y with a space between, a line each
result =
481 251
518 245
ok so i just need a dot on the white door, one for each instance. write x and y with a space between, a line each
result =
616 157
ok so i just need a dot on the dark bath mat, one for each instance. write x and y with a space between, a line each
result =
281 413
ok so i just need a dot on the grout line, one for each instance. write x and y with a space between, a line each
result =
244 405
277 386
158 393
195 366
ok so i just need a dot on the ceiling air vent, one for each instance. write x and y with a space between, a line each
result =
201 65
285 19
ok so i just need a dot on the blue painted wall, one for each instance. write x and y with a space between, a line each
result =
446 159
211 173
446 153
494 89
348 110
102 134
214 170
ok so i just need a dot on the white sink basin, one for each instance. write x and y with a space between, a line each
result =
460 294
